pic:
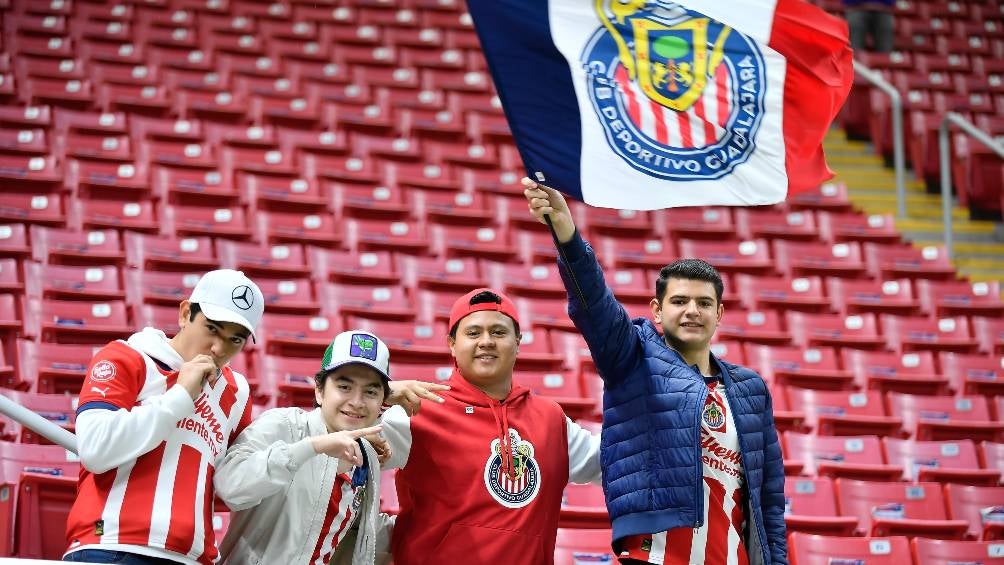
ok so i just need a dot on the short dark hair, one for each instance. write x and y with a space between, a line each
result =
323 375
486 297
193 311
690 269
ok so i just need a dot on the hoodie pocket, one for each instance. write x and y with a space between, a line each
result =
474 545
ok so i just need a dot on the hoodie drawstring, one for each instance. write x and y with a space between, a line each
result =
505 442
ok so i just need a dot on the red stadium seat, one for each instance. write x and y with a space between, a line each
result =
858 331
753 327
352 268
700 223
810 507
907 372
776 223
367 301
812 549
400 237
535 281
828 197
55 368
72 283
816 368
859 296
583 507
457 275
960 298
577 547
59 409
804 294
845 413
919 333
981 506
945 418
43 504
643 253
483 242
806 258
77 321
900 261
197 221
42 209
170 254
947 552
298 336
561 386
14 240
289 296
940 461
68 247
974 374
876 228
915 509
263 261
364 201
751 257
289 379
989 333
10 279
857 457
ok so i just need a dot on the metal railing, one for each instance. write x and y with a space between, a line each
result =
896 107
944 154
47 429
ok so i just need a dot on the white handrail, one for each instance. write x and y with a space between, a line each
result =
896 106
47 429
944 155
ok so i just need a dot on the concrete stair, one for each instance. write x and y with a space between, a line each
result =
978 248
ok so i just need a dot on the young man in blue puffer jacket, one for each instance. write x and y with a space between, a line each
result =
692 466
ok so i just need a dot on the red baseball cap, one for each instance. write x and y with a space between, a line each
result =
463 307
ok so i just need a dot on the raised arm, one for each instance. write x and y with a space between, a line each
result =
602 321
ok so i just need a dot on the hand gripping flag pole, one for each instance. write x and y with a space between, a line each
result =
539 177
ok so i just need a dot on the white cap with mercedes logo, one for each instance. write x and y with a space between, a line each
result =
226 295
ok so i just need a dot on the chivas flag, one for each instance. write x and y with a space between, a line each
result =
648 104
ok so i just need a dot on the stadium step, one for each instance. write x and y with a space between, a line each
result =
871 186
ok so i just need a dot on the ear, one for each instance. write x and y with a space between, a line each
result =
319 394
452 342
656 310
184 309
721 312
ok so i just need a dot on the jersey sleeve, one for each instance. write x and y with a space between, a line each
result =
397 431
583 454
114 379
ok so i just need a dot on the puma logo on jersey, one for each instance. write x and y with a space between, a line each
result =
102 391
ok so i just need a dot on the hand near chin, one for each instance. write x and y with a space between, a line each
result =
342 445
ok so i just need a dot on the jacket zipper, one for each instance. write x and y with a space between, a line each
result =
742 451
699 498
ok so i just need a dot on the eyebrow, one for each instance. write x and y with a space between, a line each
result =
215 324
700 297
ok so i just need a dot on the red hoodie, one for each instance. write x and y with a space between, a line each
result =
462 499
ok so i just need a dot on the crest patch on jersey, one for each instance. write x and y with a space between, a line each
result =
520 488
103 371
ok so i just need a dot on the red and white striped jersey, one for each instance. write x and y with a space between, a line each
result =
719 541
148 452
337 520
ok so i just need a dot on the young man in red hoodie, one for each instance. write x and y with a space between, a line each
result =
481 475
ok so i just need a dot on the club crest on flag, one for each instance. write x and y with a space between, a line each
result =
520 488
680 96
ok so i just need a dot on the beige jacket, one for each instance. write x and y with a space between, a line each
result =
278 489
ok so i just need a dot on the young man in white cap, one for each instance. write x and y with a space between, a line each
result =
305 485
155 416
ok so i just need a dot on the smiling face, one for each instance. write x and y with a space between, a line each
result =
200 335
351 397
689 314
485 348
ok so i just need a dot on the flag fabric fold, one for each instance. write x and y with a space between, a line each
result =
648 104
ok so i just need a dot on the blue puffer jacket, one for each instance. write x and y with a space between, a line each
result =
650 447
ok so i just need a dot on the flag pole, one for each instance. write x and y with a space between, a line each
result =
564 259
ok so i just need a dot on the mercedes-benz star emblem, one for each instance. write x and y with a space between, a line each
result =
243 297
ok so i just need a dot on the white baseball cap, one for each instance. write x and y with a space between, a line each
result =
226 295
357 346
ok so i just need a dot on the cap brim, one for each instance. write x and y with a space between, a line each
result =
220 314
334 366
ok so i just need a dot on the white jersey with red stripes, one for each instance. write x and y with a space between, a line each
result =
148 452
292 505
719 540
